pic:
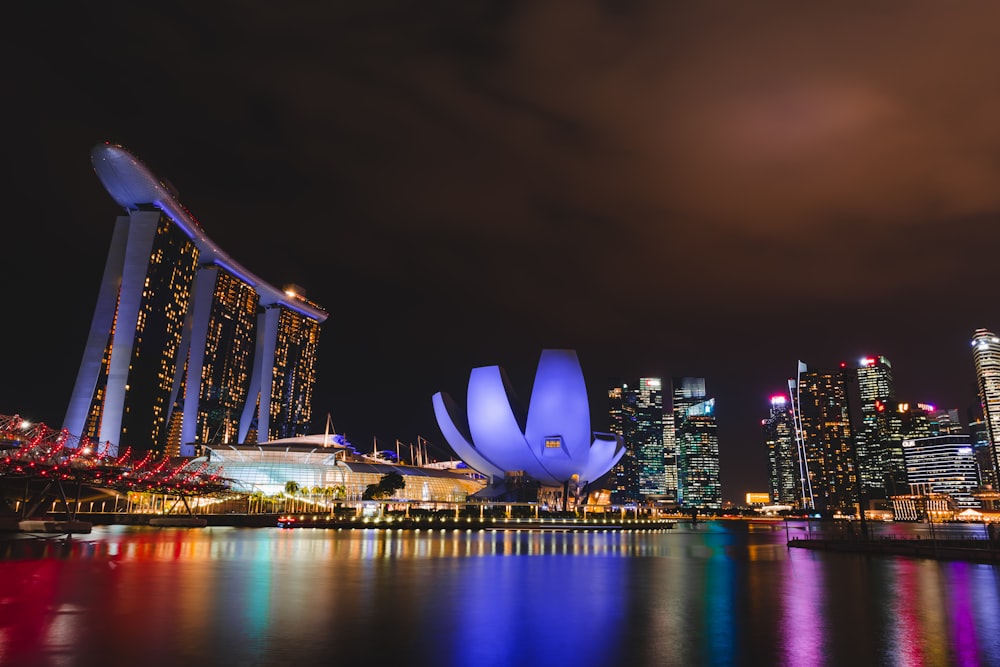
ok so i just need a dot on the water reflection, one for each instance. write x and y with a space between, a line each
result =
712 594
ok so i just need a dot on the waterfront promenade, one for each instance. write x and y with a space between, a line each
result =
353 521
971 550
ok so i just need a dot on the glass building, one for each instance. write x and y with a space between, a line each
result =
986 358
648 438
321 469
698 484
225 318
878 461
186 347
779 438
622 420
823 438
943 464
982 448
648 471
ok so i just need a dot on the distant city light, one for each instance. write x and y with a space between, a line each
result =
867 361
777 399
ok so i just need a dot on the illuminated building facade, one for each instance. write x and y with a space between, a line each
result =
779 438
942 421
648 471
321 470
552 445
982 448
647 439
186 347
622 420
823 438
986 358
225 318
698 483
875 459
944 464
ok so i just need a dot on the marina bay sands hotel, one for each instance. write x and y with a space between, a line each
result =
186 346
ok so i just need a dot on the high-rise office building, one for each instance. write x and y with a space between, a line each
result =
622 419
648 437
186 347
943 464
697 441
824 440
982 448
648 470
873 440
942 421
779 438
986 358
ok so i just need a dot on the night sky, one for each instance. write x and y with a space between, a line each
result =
705 189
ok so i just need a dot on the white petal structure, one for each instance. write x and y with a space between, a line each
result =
555 445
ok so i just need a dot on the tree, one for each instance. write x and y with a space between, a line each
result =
391 483
291 488
388 485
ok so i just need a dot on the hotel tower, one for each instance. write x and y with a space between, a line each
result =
186 347
986 357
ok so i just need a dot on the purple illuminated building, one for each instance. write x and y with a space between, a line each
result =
552 445
186 347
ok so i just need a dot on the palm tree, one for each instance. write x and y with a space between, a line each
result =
291 488
257 498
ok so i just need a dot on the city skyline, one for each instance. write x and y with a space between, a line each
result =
672 192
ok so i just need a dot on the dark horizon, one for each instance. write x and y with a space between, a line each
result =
712 192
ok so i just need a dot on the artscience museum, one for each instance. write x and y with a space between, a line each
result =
550 445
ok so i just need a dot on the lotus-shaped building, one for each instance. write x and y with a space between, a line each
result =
552 445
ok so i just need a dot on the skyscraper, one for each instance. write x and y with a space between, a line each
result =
879 458
986 358
186 347
823 434
698 484
622 419
649 437
981 447
782 458
942 421
648 469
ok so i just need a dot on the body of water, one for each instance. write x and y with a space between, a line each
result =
716 593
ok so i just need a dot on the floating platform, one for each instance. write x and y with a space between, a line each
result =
977 551
58 527
178 521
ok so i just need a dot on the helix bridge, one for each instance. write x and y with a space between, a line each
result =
38 463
